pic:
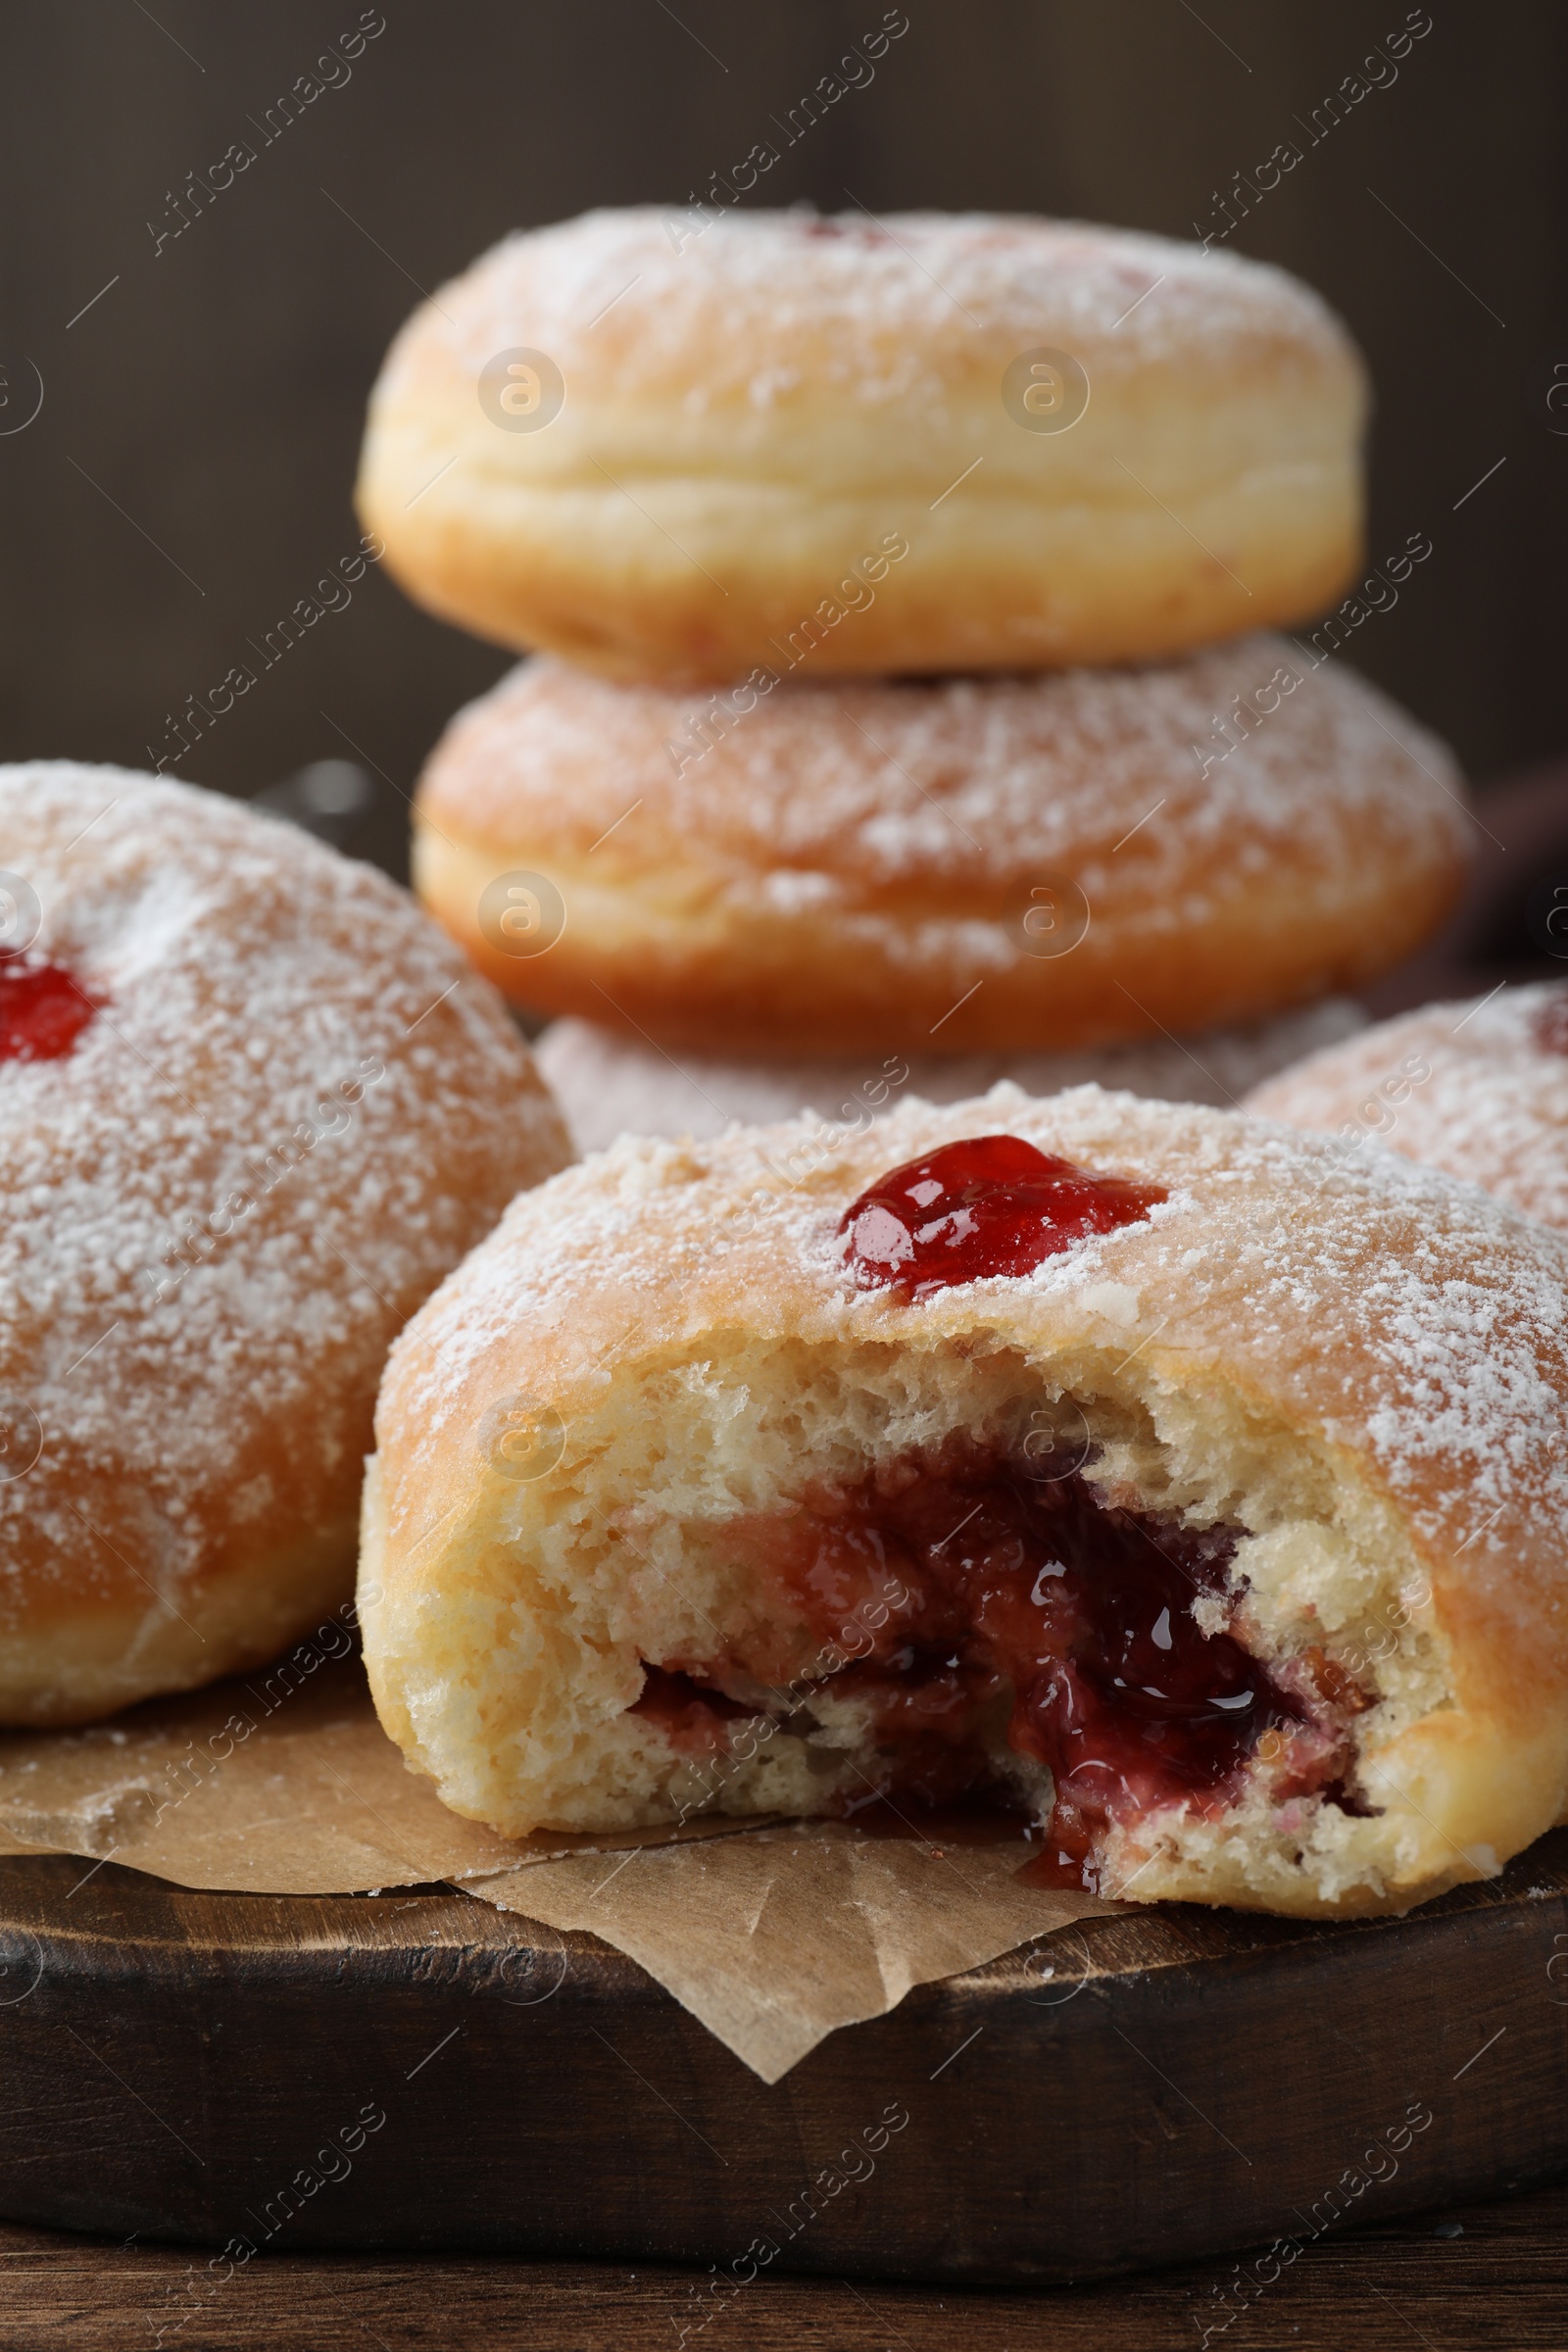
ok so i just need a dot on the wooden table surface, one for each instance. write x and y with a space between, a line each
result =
1492 2274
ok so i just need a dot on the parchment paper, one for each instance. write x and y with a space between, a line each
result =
773 1935
776 1937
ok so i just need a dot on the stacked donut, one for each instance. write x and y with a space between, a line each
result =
905 718
903 712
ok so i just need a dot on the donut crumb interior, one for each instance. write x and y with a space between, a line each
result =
625 1641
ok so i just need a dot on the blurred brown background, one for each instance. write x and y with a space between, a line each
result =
187 476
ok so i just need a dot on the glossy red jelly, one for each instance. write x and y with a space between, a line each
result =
991 1205
985 1600
43 1010
692 1714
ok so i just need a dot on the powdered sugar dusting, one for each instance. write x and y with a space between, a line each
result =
1493 1105
609 1085
887 313
858 788
295 1111
1380 1307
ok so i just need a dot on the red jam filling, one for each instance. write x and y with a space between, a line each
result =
1552 1024
990 1206
43 1010
689 1712
984 1600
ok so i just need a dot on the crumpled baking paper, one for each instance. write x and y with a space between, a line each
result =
778 1936
284 1782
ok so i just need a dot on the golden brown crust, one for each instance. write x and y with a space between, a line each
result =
1480 1089
855 867
1364 1366
774 430
292 1114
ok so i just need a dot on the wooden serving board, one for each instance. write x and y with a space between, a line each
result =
417 2070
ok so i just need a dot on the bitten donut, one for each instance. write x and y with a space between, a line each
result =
1138 1465
1480 1089
255 1108
678 444
607 1085
962 867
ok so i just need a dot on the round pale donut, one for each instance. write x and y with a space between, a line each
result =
1135 1464
953 866
669 444
1480 1089
255 1106
609 1085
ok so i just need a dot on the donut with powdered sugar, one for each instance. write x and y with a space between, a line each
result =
255 1106
1150 1470
668 444
1480 1089
1035 864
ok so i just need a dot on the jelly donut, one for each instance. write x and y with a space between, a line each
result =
1136 1466
609 1085
958 867
676 444
255 1108
1480 1089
